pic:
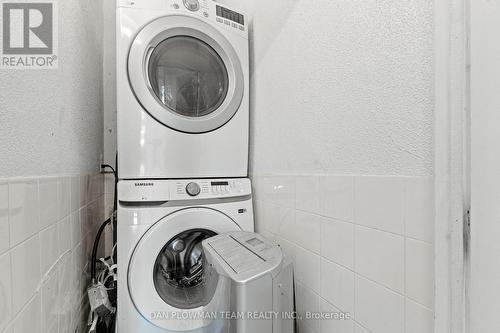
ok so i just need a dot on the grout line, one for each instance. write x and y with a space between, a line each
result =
356 273
420 304
405 218
353 270
277 205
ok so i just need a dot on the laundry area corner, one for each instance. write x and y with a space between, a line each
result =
224 166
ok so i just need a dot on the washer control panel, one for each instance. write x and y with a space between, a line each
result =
188 189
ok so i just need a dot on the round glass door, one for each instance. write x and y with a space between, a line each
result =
188 76
167 270
180 275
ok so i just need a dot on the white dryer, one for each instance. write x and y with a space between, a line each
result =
182 90
164 285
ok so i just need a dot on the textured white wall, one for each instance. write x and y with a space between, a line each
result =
337 87
342 87
51 120
109 81
51 123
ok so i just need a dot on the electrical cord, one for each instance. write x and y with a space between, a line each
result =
115 201
101 228
106 278
94 249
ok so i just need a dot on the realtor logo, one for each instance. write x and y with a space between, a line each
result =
29 37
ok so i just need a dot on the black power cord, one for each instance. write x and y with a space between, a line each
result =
106 325
94 249
101 228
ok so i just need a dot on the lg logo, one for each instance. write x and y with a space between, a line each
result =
27 28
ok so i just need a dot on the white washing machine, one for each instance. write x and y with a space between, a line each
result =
163 284
182 90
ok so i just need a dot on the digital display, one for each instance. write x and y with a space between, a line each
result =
255 241
230 15
220 183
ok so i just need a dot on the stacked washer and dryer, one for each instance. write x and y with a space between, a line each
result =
183 132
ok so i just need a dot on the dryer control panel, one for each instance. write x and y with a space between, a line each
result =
181 190
222 16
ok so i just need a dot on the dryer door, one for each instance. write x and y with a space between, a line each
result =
185 74
167 278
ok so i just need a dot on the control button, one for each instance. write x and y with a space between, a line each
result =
242 28
218 19
192 5
226 22
175 6
193 189
205 14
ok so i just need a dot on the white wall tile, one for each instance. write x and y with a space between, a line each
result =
419 208
49 248
380 256
5 290
337 197
360 329
83 221
84 190
309 302
25 271
8 329
64 298
307 194
307 268
75 193
287 247
379 203
49 205
4 218
337 286
337 241
23 211
259 215
362 263
50 306
308 231
277 190
65 234
378 308
29 319
76 229
335 323
64 197
277 219
418 319
302 327
75 277
27 286
420 272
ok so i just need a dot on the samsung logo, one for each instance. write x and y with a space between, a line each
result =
144 184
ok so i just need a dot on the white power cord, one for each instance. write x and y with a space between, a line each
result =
100 304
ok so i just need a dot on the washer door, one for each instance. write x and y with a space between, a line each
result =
167 277
185 74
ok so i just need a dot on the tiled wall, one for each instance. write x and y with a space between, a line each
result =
362 245
47 228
